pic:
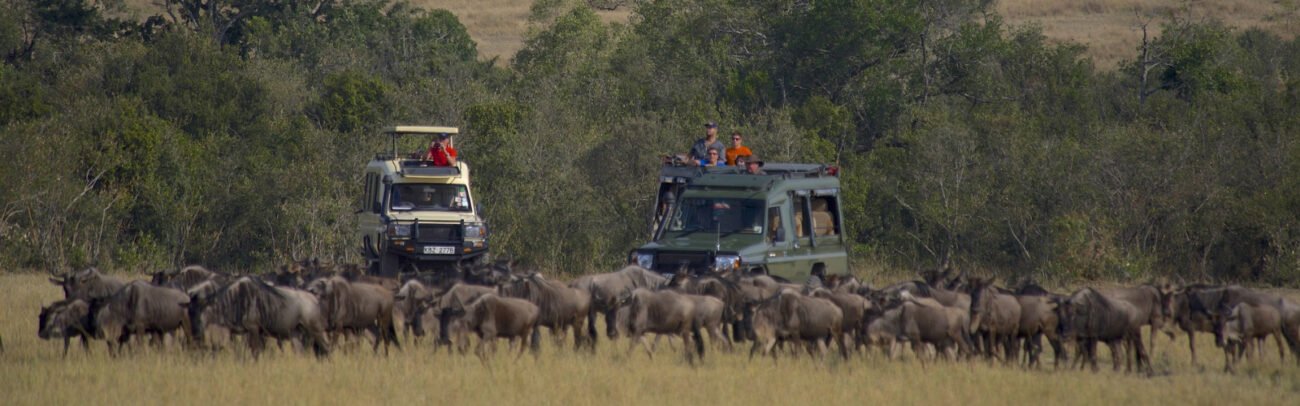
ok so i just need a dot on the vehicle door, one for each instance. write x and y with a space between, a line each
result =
777 236
827 231
370 222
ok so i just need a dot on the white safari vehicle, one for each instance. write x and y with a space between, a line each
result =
416 216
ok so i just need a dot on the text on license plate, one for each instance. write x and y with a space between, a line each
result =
439 250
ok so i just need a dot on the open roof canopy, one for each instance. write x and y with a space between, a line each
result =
416 129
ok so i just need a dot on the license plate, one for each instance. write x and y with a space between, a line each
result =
437 250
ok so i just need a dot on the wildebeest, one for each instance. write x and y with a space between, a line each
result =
356 307
1243 323
88 284
1154 303
606 288
187 277
139 308
664 312
882 329
995 318
491 317
450 328
791 316
854 308
406 302
67 319
562 307
1038 319
259 310
927 321
1089 316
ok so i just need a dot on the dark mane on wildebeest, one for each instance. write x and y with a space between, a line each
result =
187 277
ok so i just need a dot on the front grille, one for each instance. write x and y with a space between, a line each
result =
669 262
439 232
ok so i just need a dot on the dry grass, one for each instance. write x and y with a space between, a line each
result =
31 372
1108 27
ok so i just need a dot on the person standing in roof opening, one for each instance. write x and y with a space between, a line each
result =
736 149
440 151
700 151
715 158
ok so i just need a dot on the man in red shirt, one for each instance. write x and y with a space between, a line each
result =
440 151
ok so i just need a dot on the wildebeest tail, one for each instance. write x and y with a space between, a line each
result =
535 340
698 338
391 332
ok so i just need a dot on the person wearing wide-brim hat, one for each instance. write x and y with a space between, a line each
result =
754 165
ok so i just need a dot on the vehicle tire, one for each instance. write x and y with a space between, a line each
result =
389 265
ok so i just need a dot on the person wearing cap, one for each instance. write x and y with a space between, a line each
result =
700 151
754 165
440 151
736 148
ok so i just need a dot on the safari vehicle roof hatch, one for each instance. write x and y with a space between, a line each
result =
416 167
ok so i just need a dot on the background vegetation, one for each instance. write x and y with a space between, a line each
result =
234 139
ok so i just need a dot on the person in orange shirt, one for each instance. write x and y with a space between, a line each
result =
736 148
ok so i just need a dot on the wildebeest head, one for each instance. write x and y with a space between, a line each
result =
980 298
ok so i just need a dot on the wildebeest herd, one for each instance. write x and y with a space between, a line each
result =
317 307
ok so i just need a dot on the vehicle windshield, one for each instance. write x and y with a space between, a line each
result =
718 215
430 197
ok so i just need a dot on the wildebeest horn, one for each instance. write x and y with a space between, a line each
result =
57 281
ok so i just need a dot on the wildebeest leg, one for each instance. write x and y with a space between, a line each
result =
1191 345
611 323
67 341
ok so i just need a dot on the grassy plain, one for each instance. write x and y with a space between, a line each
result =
32 372
1110 28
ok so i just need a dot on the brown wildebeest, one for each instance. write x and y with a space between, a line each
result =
88 284
995 317
883 329
708 316
791 316
605 290
259 310
662 312
562 307
188 277
723 289
451 328
67 319
139 308
1243 323
854 308
1153 302
1088 316
491 317
357 306
408 297
925 320
1037 319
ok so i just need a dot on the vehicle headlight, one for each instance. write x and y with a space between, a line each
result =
475 231
723 263
645 260
399 230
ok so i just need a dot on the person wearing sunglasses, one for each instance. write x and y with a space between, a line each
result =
737 149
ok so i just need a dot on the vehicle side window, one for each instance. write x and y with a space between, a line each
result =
800 223
825 213
363 203
775 232
377 197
